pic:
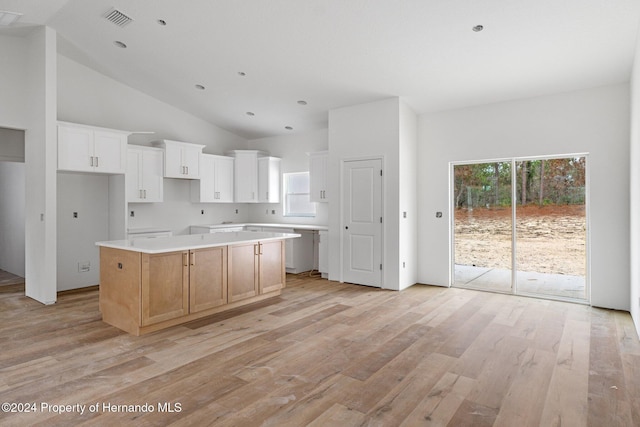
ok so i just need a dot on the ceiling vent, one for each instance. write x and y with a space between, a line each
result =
117 17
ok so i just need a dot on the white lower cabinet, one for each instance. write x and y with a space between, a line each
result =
323 253
145 175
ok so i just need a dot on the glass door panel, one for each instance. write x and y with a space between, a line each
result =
483 226
551 227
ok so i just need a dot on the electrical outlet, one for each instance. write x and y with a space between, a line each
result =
236 210
84 266
132 214
438 214
202 212
273 211
404 214
403 264
75 214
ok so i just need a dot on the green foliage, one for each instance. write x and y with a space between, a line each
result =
544 182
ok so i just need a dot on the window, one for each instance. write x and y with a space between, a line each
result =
297 201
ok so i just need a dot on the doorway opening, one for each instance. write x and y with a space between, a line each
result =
12 206
520 226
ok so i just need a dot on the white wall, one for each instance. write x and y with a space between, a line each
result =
594 121
11 145
12 201
635 191
408 197
84 194
40 164
13 82
293 150
378 129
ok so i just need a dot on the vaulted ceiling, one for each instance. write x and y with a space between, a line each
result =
266 57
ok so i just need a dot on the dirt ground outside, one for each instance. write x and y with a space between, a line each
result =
550 239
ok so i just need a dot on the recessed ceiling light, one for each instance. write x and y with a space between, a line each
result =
288 128
161 22
302 102
200 87
120 44
249 113
478 28
242 73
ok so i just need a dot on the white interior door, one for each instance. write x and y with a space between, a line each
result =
362 222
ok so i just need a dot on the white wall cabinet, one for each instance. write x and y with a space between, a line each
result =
181 159
268 180
90 149
145 176
256 177
318 176
216 180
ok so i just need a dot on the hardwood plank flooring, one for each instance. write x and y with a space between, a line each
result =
325 354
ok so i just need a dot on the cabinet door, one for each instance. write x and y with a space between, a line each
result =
109 152
133 177
75 149
318 177
242 272
204 189
191 161
271 268
224 179
173 161
152 175
268 180
207 278
165 286
245 178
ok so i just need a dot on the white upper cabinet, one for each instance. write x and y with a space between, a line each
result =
256 180
181 159
268 180
216 180
145 174
84 148
245 176
318 176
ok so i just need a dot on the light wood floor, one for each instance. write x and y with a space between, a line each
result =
329 354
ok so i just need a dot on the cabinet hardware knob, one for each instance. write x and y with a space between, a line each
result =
97 160
347 227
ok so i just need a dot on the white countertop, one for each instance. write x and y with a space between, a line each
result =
253 224
194 241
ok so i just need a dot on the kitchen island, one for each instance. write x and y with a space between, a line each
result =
151 284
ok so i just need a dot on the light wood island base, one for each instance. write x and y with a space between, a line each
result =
142 292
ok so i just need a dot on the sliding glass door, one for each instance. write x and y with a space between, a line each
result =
520 226
551 227
483 226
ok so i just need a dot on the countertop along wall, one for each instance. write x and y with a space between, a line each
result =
594 121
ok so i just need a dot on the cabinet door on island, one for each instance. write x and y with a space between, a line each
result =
255 269
207 278
165 286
